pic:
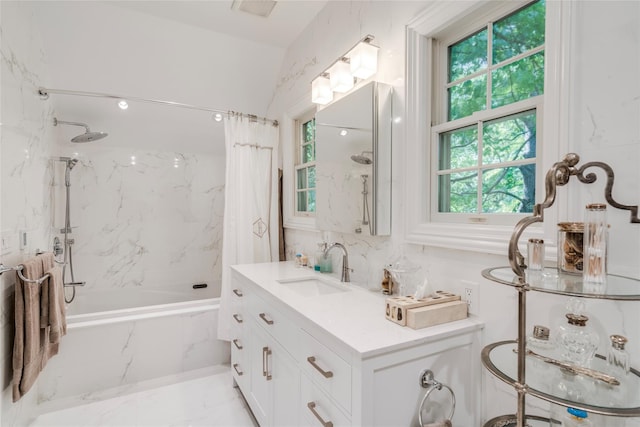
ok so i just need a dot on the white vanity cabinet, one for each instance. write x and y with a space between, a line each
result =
334 360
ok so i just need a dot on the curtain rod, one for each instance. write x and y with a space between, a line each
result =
45 92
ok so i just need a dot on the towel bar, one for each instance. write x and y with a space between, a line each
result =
18 269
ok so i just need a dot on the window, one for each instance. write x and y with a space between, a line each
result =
487 114
305 168
443 128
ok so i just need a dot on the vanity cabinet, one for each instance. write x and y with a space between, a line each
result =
335 360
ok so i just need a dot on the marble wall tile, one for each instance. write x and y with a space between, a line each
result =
151 219
604 109
25 146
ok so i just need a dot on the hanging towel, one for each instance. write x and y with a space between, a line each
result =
30 339
52 304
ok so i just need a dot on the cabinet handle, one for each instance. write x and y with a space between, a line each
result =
238 318
326 374
312 408
266 352
237 344
239 372
264 317
238 292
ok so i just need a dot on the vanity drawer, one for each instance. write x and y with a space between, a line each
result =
316 409
239 361
327 369
272 320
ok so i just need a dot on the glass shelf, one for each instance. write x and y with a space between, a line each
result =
545 382
551 281
510 421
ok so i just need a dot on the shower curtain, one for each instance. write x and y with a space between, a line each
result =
250 231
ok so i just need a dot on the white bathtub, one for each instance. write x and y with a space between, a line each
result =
127 336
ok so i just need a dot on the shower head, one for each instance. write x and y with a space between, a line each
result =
71 163
87 136
362 158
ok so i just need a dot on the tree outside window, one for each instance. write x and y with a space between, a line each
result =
486 146
306 167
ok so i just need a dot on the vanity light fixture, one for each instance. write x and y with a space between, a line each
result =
360 62
321 92
340 77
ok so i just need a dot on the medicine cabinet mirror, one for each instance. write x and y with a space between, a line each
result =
353 162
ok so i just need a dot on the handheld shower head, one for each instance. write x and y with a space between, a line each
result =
87 136
362 158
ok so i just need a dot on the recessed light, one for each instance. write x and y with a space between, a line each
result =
123 104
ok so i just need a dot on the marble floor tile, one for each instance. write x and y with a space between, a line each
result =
207 401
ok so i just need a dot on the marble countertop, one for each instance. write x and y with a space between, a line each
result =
355 317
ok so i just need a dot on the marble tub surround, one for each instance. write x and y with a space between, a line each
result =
143 218
123 348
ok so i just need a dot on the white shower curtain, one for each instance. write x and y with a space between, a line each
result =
250 232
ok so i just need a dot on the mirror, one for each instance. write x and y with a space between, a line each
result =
353 163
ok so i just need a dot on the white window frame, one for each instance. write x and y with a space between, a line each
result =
289 140
437 18
298 165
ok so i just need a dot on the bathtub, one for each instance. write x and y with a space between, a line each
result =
124 337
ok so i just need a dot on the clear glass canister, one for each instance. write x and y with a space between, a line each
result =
577 341
570 247
595 243
535 254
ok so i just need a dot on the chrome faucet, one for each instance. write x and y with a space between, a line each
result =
345 260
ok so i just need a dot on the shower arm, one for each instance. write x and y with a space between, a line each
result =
57 122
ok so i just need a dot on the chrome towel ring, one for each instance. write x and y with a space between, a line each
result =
430 383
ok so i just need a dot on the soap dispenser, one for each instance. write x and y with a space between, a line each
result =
322 261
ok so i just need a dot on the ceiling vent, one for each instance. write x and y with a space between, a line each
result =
254 7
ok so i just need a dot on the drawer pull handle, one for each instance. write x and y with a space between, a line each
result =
266 352
237 344
326 374
238 292
264 317
312 408
238 318
239 372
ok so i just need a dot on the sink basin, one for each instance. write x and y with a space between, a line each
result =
312 286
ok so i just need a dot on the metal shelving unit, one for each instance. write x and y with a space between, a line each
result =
507 360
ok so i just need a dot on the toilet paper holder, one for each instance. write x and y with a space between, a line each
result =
428 381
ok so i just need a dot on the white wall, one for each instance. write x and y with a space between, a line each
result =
603 107
26 145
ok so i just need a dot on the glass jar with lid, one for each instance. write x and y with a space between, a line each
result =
570 247
577 342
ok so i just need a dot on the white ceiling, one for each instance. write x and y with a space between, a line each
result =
193 52
280 29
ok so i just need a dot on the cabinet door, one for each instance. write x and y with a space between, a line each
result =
286 388
275 381
259 396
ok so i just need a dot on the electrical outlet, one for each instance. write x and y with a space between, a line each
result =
471 296
6 241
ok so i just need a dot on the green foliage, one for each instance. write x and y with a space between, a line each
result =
504 189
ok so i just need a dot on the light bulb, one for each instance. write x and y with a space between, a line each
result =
340 77
364 60
123 104
321 91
